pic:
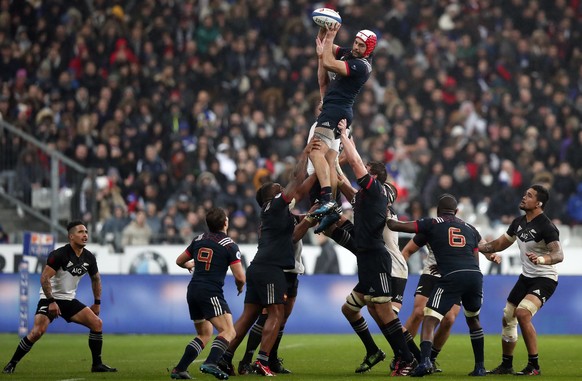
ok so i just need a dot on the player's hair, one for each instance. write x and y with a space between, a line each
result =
215 219
447 204
379 169
73 224
263 192
543 194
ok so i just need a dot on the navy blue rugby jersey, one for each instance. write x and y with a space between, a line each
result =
342 90
212 253
452 241
276 234
370 213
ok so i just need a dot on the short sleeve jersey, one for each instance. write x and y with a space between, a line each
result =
370 214
212 253
534 237
69 270
276 234
342 90
399 265
452 241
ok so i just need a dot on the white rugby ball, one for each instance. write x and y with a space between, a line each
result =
325 17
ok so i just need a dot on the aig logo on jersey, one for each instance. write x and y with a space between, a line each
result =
77 270
527 235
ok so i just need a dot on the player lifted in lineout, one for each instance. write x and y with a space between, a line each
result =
350 68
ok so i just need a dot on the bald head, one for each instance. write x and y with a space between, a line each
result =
447 204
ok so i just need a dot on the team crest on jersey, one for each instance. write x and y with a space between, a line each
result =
238 255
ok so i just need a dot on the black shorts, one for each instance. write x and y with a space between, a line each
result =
463 286
266 285
397 286
541 287
374 269
292 284
425 285
69 308
204 303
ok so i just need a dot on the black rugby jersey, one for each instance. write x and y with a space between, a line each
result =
69 270
370 214
212 253
533 237
276 234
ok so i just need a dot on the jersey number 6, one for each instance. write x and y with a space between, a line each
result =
456 239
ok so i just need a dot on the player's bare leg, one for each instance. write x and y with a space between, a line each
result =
88 318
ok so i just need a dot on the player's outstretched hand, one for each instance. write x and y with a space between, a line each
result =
342 126
494 257
333 27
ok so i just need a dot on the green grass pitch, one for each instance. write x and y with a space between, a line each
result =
310 357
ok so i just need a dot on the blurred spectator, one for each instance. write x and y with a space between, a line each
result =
112 230
137 232
575 205
3 236
29 174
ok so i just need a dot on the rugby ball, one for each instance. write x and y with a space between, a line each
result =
325 17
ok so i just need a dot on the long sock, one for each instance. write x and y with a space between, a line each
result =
219 346
533 360
192 351
227 356
22 349
478 344
393 333
507 361
263 358
325 195
434 353
425 347
96 345
360 326
275 350
412 345
254 339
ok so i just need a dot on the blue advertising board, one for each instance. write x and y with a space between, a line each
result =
156 304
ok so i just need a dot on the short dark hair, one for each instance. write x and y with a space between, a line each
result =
379 169
447 204
542 194
73 224
215 219
263 192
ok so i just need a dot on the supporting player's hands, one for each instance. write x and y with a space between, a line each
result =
96 308
535 259
319 46
494 257
53 310
342 126
314 144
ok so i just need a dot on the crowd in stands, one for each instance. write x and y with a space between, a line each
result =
180 105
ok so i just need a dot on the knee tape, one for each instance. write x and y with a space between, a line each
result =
509 332
528 305
354 302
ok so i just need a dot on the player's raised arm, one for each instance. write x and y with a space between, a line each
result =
329 61
498 244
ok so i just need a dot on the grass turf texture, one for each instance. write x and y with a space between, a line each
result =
310 357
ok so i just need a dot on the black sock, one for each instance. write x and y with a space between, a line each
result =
533 360
434 353
361 328
96 345
192 351
275 350
478 343
507 361
22 349
325 195
227 356
254 339
412 345
393 333
425 347
219 346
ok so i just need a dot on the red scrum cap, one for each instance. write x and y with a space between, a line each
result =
369 39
